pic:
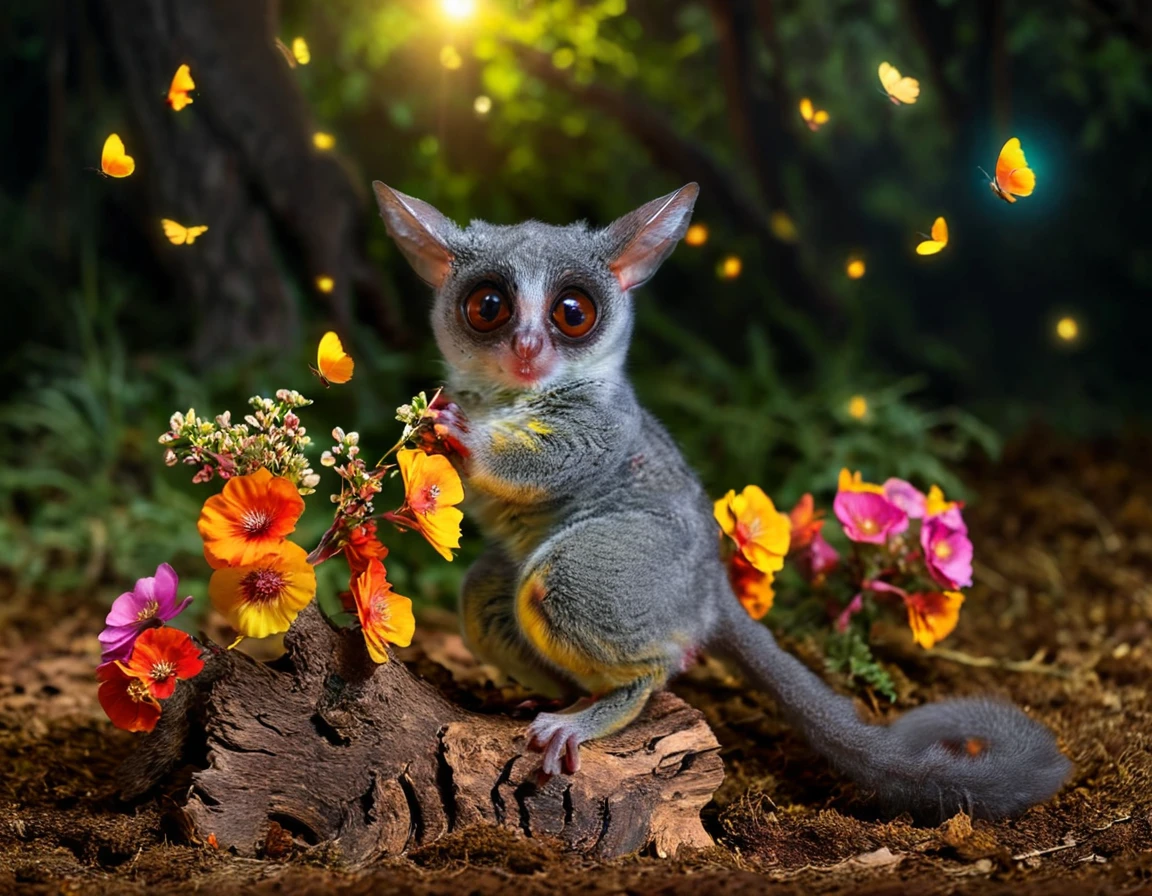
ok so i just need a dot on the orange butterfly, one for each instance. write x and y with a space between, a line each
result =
179 235
938 240
1013 176
333 364
899 89
114 161
182 82
813 117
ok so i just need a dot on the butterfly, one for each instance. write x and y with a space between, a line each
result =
114 161
1013 176
333 364
299 52
182 82
899 89
938 241
813 117
179 235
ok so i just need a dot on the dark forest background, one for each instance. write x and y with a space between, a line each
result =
590 109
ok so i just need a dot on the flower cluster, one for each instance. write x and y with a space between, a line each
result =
905 546
261 580
361 484
269 438
142 659
760 536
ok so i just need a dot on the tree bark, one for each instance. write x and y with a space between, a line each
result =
239 159
324 746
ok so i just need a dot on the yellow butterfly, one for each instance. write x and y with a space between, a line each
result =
899 89
938 241
813 117
179 235
298 54
114 161
1013 176
333 364
182 82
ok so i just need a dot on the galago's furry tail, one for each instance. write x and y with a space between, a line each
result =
977 755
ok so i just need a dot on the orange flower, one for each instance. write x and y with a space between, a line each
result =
853 482
262 598
126 699
160 657
385 617
752 587
253 513
760 531
432 488
932 615
363 546
806 523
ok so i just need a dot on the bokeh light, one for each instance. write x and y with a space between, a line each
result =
697 235
482 105
323 141
783 227
450 57
858 407
730 267
1068 329
458 9
325 284
855 269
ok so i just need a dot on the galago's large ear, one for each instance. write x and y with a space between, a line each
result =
419 230
640 241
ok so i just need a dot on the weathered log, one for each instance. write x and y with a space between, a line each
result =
329 747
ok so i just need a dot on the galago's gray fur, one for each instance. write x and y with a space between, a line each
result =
602 576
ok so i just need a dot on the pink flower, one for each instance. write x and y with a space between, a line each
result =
818 559
151 603
845 617
905 496
937 507
868 517
947 552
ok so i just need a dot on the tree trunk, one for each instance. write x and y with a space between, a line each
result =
324 746
239 159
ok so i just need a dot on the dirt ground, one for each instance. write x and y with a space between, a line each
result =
1059 621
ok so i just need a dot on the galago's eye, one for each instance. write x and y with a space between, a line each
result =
486 309
574 314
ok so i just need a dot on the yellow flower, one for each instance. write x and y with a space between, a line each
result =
932 615
934 504
262 597
432 489
853 482
385 617
761 532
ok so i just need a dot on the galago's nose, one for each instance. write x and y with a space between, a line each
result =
527 346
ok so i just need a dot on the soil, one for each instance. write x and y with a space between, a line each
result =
1059 621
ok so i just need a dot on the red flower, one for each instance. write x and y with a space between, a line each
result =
362 547
160 657
806 523
126 699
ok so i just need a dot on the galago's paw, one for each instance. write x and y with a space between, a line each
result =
450 427
555 735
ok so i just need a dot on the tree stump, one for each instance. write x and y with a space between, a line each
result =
325 746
